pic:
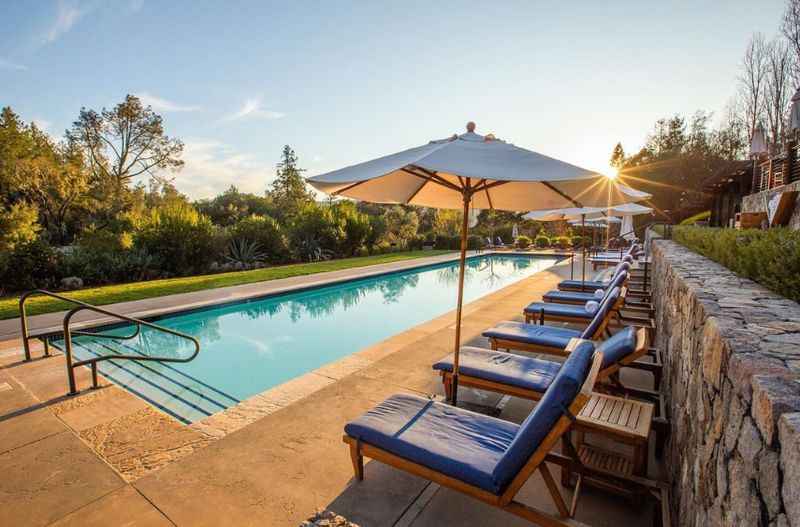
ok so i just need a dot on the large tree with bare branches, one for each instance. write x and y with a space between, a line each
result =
753 81
790 27
126 141
778 89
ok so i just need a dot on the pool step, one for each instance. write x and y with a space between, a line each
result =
162 384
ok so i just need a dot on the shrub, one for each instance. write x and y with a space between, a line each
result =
474 242
96 239
541 241
266 233
18 225
444 242
523 242
99 267
771 257
177 235
562 242
577 241
315 234
30 265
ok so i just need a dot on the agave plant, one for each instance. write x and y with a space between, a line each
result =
311 250
244 252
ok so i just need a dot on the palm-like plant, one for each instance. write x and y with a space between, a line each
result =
245 252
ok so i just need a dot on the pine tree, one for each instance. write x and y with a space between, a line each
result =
288 192
617 157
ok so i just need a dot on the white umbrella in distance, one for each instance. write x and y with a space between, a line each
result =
472 170
794 112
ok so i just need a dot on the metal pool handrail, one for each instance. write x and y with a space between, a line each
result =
80 306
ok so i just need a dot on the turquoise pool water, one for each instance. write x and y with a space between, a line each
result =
250 346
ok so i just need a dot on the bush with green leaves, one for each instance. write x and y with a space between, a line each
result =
315 233
578 241
355 227
30 265
245 253
177 235
562 242
523 242
541 241
266 233
102 266
770 257
18 225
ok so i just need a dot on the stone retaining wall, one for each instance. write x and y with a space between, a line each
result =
758 202
732 364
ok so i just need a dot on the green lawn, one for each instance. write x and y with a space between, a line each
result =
9 306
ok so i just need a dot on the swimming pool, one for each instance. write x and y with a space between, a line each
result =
250 346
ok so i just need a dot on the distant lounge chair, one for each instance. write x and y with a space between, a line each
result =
549 339
592 285
483 457
542 312
581 297
529 377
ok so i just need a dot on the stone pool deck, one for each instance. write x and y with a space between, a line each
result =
105 457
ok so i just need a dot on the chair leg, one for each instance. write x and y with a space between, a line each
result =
552 487
358 461
448 386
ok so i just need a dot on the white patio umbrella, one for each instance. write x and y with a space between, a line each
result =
472 170
514 232
758 143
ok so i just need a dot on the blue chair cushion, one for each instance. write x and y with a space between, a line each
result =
570 296
588 285
561 310
546 336
618 346
548 410
506 368
461 444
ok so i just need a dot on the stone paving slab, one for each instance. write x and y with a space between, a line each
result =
46 480
124 507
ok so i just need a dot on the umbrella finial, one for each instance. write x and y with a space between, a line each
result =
471 127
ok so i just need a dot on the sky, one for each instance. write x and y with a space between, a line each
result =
344 82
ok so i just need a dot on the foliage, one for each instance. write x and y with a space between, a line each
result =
179 236
264 231
700 216
448 222
155 288
233 206
30 265
105 240
541 241
401 225
315 233
562 242
244 252
578 241
18 225
355 225
98 265
523 242
770 257
288 191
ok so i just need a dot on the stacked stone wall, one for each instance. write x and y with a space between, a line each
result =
732 364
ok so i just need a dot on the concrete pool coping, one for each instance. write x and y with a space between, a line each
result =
170 304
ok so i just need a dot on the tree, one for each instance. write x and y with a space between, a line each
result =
778 89
232 206
617 157
288 191
447 222
753 80
790 27
401 225
18 225
126 141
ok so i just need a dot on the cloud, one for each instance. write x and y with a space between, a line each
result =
42 124
163 105
254 108
66 17
211 167
6 64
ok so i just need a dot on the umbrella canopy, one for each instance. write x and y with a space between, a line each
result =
597 222
472 170
572 213
758 143
515 232
794 112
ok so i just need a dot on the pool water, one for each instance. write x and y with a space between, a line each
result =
250 346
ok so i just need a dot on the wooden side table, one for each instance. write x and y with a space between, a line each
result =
625 421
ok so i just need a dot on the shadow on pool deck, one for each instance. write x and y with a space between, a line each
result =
64 459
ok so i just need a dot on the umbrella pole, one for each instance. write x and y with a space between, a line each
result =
583 250
461 269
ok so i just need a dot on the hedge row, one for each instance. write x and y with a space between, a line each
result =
770 257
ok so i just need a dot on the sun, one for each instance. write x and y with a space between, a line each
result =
613 175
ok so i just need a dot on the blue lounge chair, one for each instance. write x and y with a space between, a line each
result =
590 285
549 339
530 377
483 457
542 312
581 297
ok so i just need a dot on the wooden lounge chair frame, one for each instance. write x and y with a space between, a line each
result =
504 501
543 317
607 374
